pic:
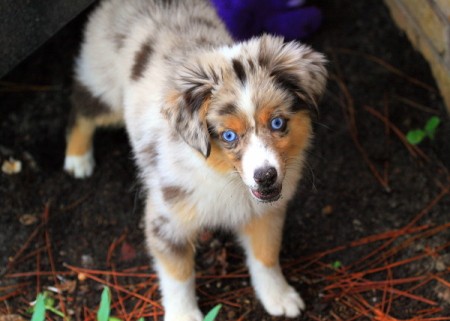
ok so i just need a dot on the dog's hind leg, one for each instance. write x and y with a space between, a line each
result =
88 112
261 239
79 160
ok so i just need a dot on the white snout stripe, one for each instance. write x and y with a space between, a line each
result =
258 155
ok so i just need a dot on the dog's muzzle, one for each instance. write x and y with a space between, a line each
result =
267 189
267 195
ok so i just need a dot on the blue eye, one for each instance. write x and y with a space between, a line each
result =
229 136
278 123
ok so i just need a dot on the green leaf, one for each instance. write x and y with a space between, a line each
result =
141 319
117 319
57 312
105 305
431 126
336 265
414 137
211 316
49 301
39 308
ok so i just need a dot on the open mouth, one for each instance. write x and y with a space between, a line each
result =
267 194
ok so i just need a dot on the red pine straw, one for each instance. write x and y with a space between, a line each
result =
346 286
389 300
122 310
112 285
113 246
23 248
11 295
419 216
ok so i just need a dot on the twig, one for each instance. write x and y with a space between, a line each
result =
414 150
48 243
415 105
21 250
349 111
120 288
388 67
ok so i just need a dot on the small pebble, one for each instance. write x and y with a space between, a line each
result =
28 219
87 261
327 210
439 265
231 315
11 166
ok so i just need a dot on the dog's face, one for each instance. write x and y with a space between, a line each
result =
247 109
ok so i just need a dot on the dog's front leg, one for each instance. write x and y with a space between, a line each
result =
261 239
173 254
177 285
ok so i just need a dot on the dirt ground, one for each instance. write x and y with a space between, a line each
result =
367 236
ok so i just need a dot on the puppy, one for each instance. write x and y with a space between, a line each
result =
218 131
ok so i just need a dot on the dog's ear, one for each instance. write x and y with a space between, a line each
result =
294 66
187 104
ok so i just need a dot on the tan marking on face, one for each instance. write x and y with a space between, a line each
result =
234 123
79 141
219 160
180 265
265 234
224 159
264 116
297 138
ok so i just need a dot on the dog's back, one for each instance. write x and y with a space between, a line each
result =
123 37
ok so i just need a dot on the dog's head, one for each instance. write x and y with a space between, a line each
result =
247 108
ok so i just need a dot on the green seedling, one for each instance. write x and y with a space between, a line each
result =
105 305
416 136
39 308
104 311
336 265
212 315
45 302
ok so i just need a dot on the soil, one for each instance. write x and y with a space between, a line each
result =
95 223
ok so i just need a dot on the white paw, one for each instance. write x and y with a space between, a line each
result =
178 297
193 315
276 295
80 166
288 303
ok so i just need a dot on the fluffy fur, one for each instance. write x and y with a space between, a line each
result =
171 73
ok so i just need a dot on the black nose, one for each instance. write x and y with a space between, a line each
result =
265 176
